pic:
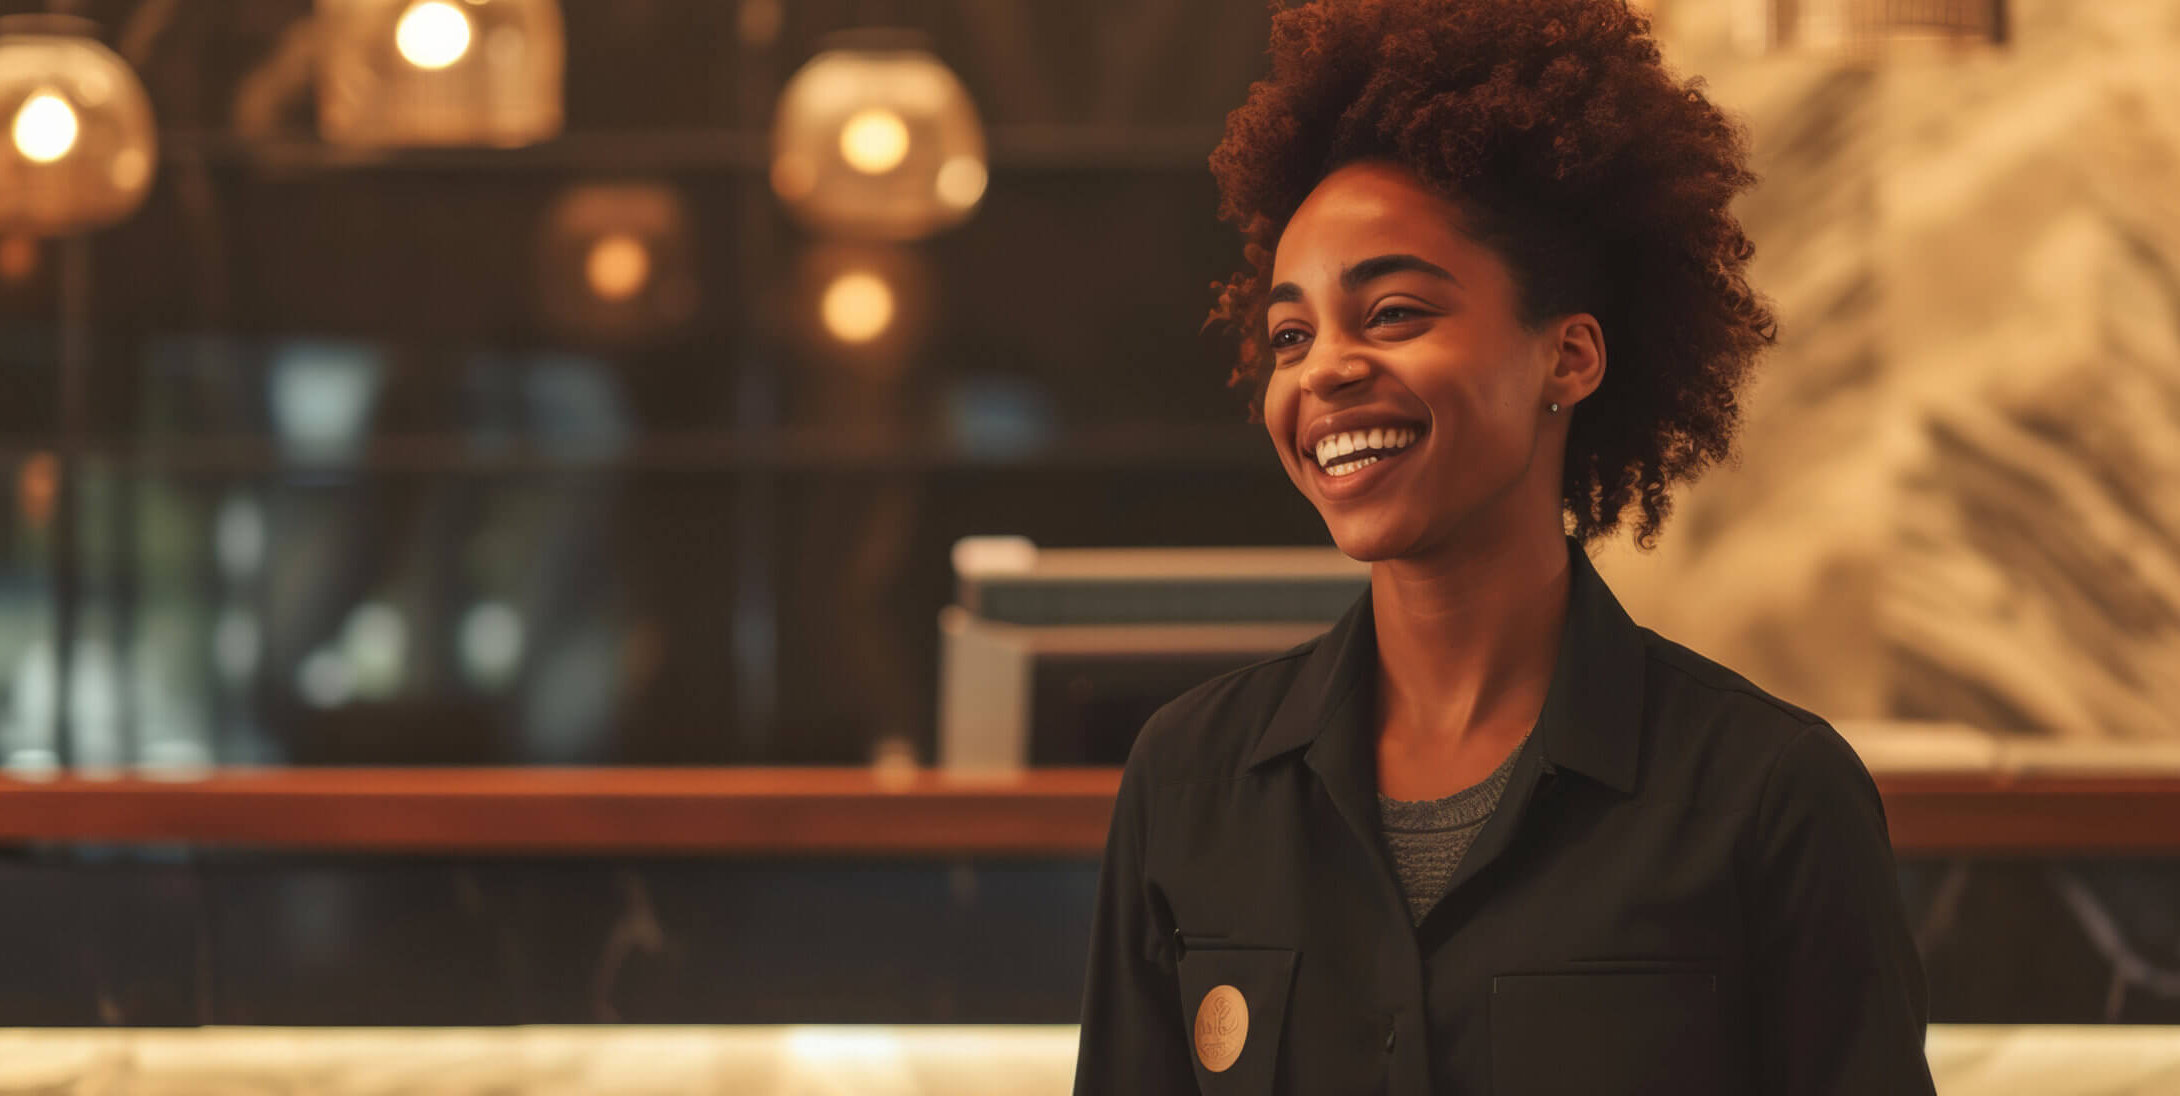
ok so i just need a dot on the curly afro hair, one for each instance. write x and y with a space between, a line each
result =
1600 180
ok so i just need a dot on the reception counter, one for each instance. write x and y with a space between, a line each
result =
852 1061
1946 792
2038 878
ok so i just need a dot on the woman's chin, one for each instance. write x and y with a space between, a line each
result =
1368 545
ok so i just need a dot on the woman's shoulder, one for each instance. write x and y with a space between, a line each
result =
1208 732
1688 679
1768 746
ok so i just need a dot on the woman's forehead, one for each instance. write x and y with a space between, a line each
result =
1363 211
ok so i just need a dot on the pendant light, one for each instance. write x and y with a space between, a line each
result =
876 138
397 73
863 306
617 262
79 145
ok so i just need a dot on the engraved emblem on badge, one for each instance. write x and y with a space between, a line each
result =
1222 1025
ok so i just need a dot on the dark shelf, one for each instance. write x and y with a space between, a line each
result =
1008 148
783 449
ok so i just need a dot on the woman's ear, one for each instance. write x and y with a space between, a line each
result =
1579 366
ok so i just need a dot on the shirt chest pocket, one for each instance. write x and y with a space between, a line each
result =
1637 1031
1234 1000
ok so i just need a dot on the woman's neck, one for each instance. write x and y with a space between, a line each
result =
1467 640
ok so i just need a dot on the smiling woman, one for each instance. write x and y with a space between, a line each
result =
1487 834
1593 178
1388 314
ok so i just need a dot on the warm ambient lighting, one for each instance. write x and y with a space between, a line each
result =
961 181
877 139
616 263
81 143
432 34
874 141
45 129
404 73
617 267
862 309
858 306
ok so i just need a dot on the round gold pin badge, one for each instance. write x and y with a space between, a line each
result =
1222 1025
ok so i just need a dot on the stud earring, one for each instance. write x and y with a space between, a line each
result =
1555 409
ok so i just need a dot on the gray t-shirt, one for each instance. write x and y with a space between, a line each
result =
1427 838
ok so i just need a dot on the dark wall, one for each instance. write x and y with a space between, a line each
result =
144 939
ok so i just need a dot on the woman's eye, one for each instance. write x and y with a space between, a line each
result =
1280 341
1394 314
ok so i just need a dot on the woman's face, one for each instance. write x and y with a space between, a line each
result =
1395 334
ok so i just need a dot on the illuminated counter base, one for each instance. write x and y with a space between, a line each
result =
760 1061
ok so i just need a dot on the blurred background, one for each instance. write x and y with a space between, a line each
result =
433 442
613 383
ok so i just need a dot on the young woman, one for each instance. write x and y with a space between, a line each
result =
1488 835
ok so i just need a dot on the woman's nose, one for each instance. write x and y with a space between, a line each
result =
1333 372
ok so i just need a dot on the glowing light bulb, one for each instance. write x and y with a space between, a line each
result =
857 307
618 266
874 141
78 143
961 181
432 34
46 128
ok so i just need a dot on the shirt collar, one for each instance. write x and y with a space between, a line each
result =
1592 710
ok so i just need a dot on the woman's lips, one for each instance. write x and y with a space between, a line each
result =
1363 480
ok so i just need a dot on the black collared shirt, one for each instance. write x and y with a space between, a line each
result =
1687 888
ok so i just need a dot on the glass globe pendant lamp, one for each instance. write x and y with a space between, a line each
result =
617 262
875 138
395 73
79 146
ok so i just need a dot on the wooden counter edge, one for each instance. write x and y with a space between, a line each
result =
918 812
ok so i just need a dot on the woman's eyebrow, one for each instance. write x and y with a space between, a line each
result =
1371 269
1368 270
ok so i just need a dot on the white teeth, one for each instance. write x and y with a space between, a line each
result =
1351 441
1352 467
